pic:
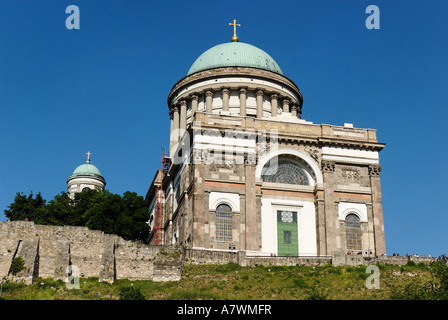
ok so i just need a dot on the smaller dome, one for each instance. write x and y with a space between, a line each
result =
86 169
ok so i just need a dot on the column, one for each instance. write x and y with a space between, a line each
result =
208 101
259 104
294 111
243 97
225 99
171 127
174 137
176 119
274 104
194 104
183 115
285 105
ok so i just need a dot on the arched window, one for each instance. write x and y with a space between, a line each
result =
286 171
353 232
224 223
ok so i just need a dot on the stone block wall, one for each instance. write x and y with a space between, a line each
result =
47 251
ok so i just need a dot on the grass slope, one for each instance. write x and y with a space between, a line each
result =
231 281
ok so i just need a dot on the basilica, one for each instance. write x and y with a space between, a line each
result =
245 172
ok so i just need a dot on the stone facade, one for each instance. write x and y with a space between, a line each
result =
344 173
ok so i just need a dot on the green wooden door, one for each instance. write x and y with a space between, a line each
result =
287 236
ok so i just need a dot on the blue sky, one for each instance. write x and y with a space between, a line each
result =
103 88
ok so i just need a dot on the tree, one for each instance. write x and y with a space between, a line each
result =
134 216
125 216
26 207
111 213
58 212
104 214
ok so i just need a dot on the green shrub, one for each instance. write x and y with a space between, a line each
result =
410 263
17 265
131 293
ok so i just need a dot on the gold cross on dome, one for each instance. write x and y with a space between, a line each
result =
234 24
88 155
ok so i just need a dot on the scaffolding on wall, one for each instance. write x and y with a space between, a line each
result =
159 202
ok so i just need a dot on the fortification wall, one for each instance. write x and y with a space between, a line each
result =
47 252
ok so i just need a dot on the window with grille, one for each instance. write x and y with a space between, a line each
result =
224 223
353 232
286 171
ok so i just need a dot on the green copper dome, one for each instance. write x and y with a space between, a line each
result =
234 54
86 169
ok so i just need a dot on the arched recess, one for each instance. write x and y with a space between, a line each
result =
305 158
231 199
360 214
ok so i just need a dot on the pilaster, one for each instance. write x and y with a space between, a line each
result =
200 204
252 208
331 215
319 205
377 209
